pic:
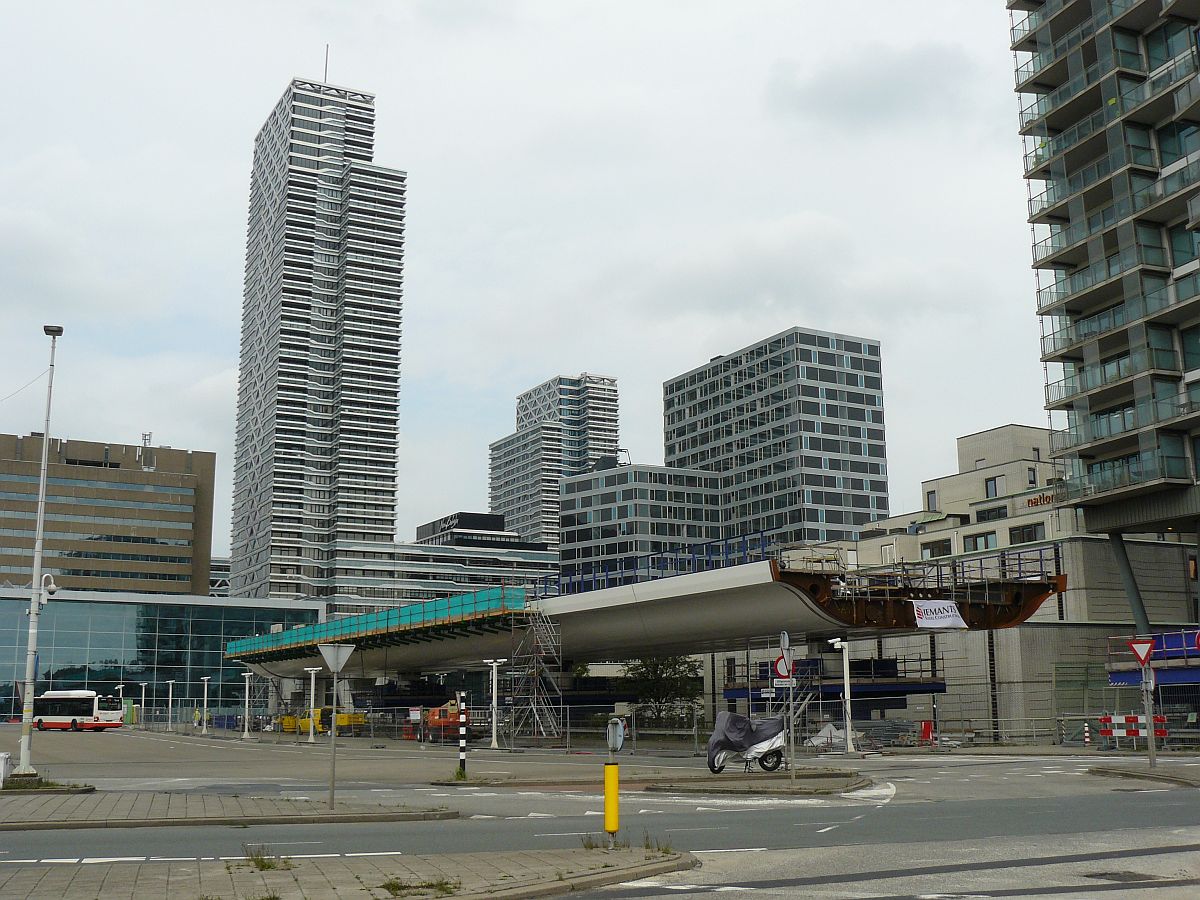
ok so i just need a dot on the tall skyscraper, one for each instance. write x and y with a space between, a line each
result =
794 426
564 427
317 418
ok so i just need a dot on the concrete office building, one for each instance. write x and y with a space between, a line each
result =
794 426
317 420
564 427
1111 123
998 510
615 516
119 517
218 577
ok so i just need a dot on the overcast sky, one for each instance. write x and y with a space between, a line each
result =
626 188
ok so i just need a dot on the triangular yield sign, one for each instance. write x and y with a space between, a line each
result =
1142 648
335 655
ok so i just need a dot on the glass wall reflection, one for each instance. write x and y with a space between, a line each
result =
96 645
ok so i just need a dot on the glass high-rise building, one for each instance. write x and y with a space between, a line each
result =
565 426
315 460
794 426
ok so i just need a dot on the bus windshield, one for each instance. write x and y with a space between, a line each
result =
111 704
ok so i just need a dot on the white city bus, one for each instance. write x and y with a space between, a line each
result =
76 710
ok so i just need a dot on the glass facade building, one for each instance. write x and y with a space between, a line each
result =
95 643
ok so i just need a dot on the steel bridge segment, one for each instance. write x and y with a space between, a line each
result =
698 612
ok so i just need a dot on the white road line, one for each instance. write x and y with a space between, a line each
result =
563 833
171 859
1152 790
313 855
823 830
733 850
18 860
71 859
111 859
377 853
705 828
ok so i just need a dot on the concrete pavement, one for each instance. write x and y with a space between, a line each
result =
317 876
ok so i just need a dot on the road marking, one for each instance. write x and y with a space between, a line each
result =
377 853
1151 790
650 812
171 859
18 860
72 859
314 855
563 833
110 859
732 850
823 830
705 828
482 817
291 843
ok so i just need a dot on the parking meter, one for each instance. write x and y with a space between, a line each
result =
616 735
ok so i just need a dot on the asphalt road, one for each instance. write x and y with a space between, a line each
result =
942 825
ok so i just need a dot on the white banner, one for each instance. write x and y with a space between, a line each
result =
938 614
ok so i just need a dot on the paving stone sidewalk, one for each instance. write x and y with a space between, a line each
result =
133 809
465 875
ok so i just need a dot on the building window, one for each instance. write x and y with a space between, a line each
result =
1031 476
931 500
991 486
976 542
992 514
1023 534
936 548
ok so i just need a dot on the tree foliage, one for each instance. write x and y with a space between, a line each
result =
662 683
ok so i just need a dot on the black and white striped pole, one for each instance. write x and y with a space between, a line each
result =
462 734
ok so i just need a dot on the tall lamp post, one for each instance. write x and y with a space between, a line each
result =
120 689
495 664
170 705
246 716
312 702
142 708
37 584
204 715
847 719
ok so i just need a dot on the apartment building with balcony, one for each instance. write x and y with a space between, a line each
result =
1110 118
319 376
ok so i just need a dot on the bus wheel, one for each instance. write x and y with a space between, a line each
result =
74 725
40 725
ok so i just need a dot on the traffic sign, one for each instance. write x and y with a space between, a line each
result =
783 666
767 693
1142 648
783 682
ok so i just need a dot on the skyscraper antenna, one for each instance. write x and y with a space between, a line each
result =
326 78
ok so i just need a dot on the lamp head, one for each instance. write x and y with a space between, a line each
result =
53 330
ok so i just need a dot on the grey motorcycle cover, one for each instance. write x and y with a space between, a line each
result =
734 733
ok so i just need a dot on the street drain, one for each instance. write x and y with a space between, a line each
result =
1123 877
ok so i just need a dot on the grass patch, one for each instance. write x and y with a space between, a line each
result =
653 843
25 783
262 859
460 774
443 887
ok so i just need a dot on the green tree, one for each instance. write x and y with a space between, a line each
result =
662 683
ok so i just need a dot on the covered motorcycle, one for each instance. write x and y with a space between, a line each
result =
751 739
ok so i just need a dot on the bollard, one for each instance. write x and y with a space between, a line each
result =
615 734
462 734
1087 735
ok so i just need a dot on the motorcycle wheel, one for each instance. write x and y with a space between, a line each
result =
720 765
769 762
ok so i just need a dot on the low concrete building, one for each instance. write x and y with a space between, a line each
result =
119 517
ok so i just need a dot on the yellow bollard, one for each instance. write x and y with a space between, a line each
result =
612 818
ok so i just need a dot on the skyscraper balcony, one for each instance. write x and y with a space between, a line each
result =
1143 470
1114 371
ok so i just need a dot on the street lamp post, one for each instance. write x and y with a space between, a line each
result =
204 715
170 705
495 664
312 702
142 709
246 717
120 689
38 587
847 719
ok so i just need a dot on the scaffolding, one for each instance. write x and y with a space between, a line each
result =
536 677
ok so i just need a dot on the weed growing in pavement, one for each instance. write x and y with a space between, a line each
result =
460 774
589 842
261 859
270 896
653 843
443 887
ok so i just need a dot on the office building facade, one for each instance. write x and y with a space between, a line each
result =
614 519
1111 124
119 517
794 426
564 427
89 641
317 420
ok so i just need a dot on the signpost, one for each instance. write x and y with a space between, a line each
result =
1142 648
785 657
335 656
